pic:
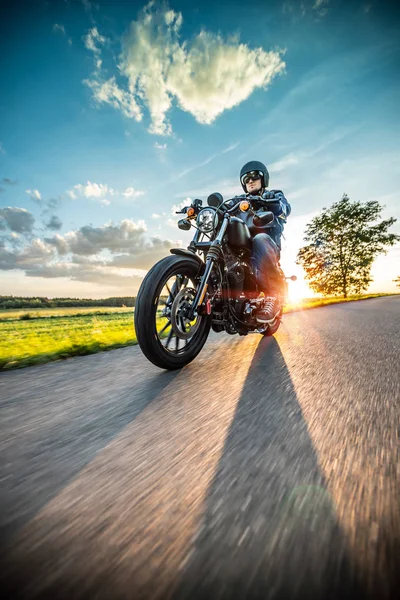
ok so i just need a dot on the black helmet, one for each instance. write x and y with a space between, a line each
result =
255 165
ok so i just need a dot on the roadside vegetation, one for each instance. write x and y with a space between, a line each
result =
42 313
342 243
54 334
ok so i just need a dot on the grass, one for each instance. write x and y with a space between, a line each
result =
36 313
53 334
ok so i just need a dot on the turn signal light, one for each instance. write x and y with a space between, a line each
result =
190 212
244 205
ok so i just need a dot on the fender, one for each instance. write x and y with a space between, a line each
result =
188 254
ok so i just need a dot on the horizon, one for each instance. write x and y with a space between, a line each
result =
124 112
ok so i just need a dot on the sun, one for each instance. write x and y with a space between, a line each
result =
298 290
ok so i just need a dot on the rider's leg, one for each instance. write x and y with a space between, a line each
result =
266 255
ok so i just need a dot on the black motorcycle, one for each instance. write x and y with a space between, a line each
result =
211 284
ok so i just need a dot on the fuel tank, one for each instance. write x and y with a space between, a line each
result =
239 234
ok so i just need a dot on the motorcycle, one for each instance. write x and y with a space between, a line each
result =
210 285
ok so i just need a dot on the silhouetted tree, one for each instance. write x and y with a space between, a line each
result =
343 242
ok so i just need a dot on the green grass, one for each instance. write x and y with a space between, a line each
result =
40 340
36 313
50 336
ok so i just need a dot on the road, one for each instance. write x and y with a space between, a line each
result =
267 468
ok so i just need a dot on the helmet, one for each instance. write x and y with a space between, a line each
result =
255 165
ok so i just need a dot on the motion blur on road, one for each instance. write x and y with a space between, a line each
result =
267 468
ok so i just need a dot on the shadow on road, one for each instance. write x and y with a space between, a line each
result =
269 528
40 463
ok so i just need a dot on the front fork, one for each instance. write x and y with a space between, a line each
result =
212 256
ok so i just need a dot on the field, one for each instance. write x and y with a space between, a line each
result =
43 335
37 340
60 312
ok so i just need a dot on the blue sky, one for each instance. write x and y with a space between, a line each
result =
112 113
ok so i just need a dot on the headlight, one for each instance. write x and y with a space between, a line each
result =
207 220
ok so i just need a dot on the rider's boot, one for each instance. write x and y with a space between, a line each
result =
269 310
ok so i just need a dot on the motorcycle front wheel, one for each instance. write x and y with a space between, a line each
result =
166 337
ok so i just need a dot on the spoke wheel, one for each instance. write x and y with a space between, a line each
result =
166 336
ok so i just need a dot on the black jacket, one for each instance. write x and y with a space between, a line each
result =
274 201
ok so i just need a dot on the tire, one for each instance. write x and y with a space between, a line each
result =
271 329
145 316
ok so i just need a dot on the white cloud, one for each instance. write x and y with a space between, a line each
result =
34 194
100 192
93 39
2 151
109 92
93 190
160 146
204 77
283 163
130 192
176 207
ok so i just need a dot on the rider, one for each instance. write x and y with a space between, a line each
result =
254 178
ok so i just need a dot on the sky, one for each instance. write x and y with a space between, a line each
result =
113 114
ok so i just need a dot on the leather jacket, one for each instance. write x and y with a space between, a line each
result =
274 201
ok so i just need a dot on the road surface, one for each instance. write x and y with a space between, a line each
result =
267 468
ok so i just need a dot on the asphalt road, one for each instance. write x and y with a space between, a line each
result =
267 468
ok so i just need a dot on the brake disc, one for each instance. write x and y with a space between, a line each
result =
181 325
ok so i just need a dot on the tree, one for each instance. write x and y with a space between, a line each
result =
343 242
397 281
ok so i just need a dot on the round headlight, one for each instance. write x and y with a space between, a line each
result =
206 220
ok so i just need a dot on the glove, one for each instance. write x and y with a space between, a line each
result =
268 195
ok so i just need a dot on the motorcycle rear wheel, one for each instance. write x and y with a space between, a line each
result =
274 326
165 337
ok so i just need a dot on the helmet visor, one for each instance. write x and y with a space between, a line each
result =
251 176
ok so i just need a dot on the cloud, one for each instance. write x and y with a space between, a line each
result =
160 146
130 192
16 219
177 207
203 163
7 181
114 253
318 8
33 254
93 190
47 205
57 27
2 151
204 77
283 163
98 191
128 236
93 39
34 194
55 223
108 92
